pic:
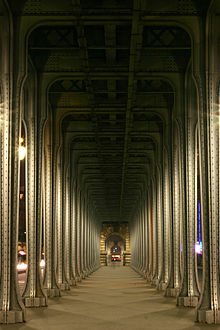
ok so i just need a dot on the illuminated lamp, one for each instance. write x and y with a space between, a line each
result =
22 152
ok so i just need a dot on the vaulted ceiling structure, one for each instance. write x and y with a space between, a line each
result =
115 75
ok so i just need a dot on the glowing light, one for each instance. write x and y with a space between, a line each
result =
21 139
42 263
22 253
199 222
22 152
198 247
22 266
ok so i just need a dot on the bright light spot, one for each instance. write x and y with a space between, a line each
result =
21 196
42 263
21 139
22 266
22 253
198 247
22 152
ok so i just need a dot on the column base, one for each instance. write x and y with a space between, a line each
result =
210 316
161 286
79 278
187 301
64 286
89 271
7 317
155 282
72 281
35 302
138 270
148 278
171 292
53 292
83 275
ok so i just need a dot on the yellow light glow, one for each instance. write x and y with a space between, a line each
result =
21 139
42 263
22 152
22 266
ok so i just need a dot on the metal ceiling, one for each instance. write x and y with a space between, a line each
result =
114 68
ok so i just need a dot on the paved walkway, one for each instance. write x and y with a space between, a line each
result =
113 298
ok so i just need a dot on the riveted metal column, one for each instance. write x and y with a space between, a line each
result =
138 241
50 282
159 228
154 232
170 290
134 249
176 216
96 246
58 215
90 239
150 234
164 244
208 306
134 245
138 250
11 306
78 231
143 238
61 278
92 242
73 231
208 309
86 237
147 235
34 295
12 76
189 291
82 235
166 239
67 226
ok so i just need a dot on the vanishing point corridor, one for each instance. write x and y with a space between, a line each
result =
109 164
